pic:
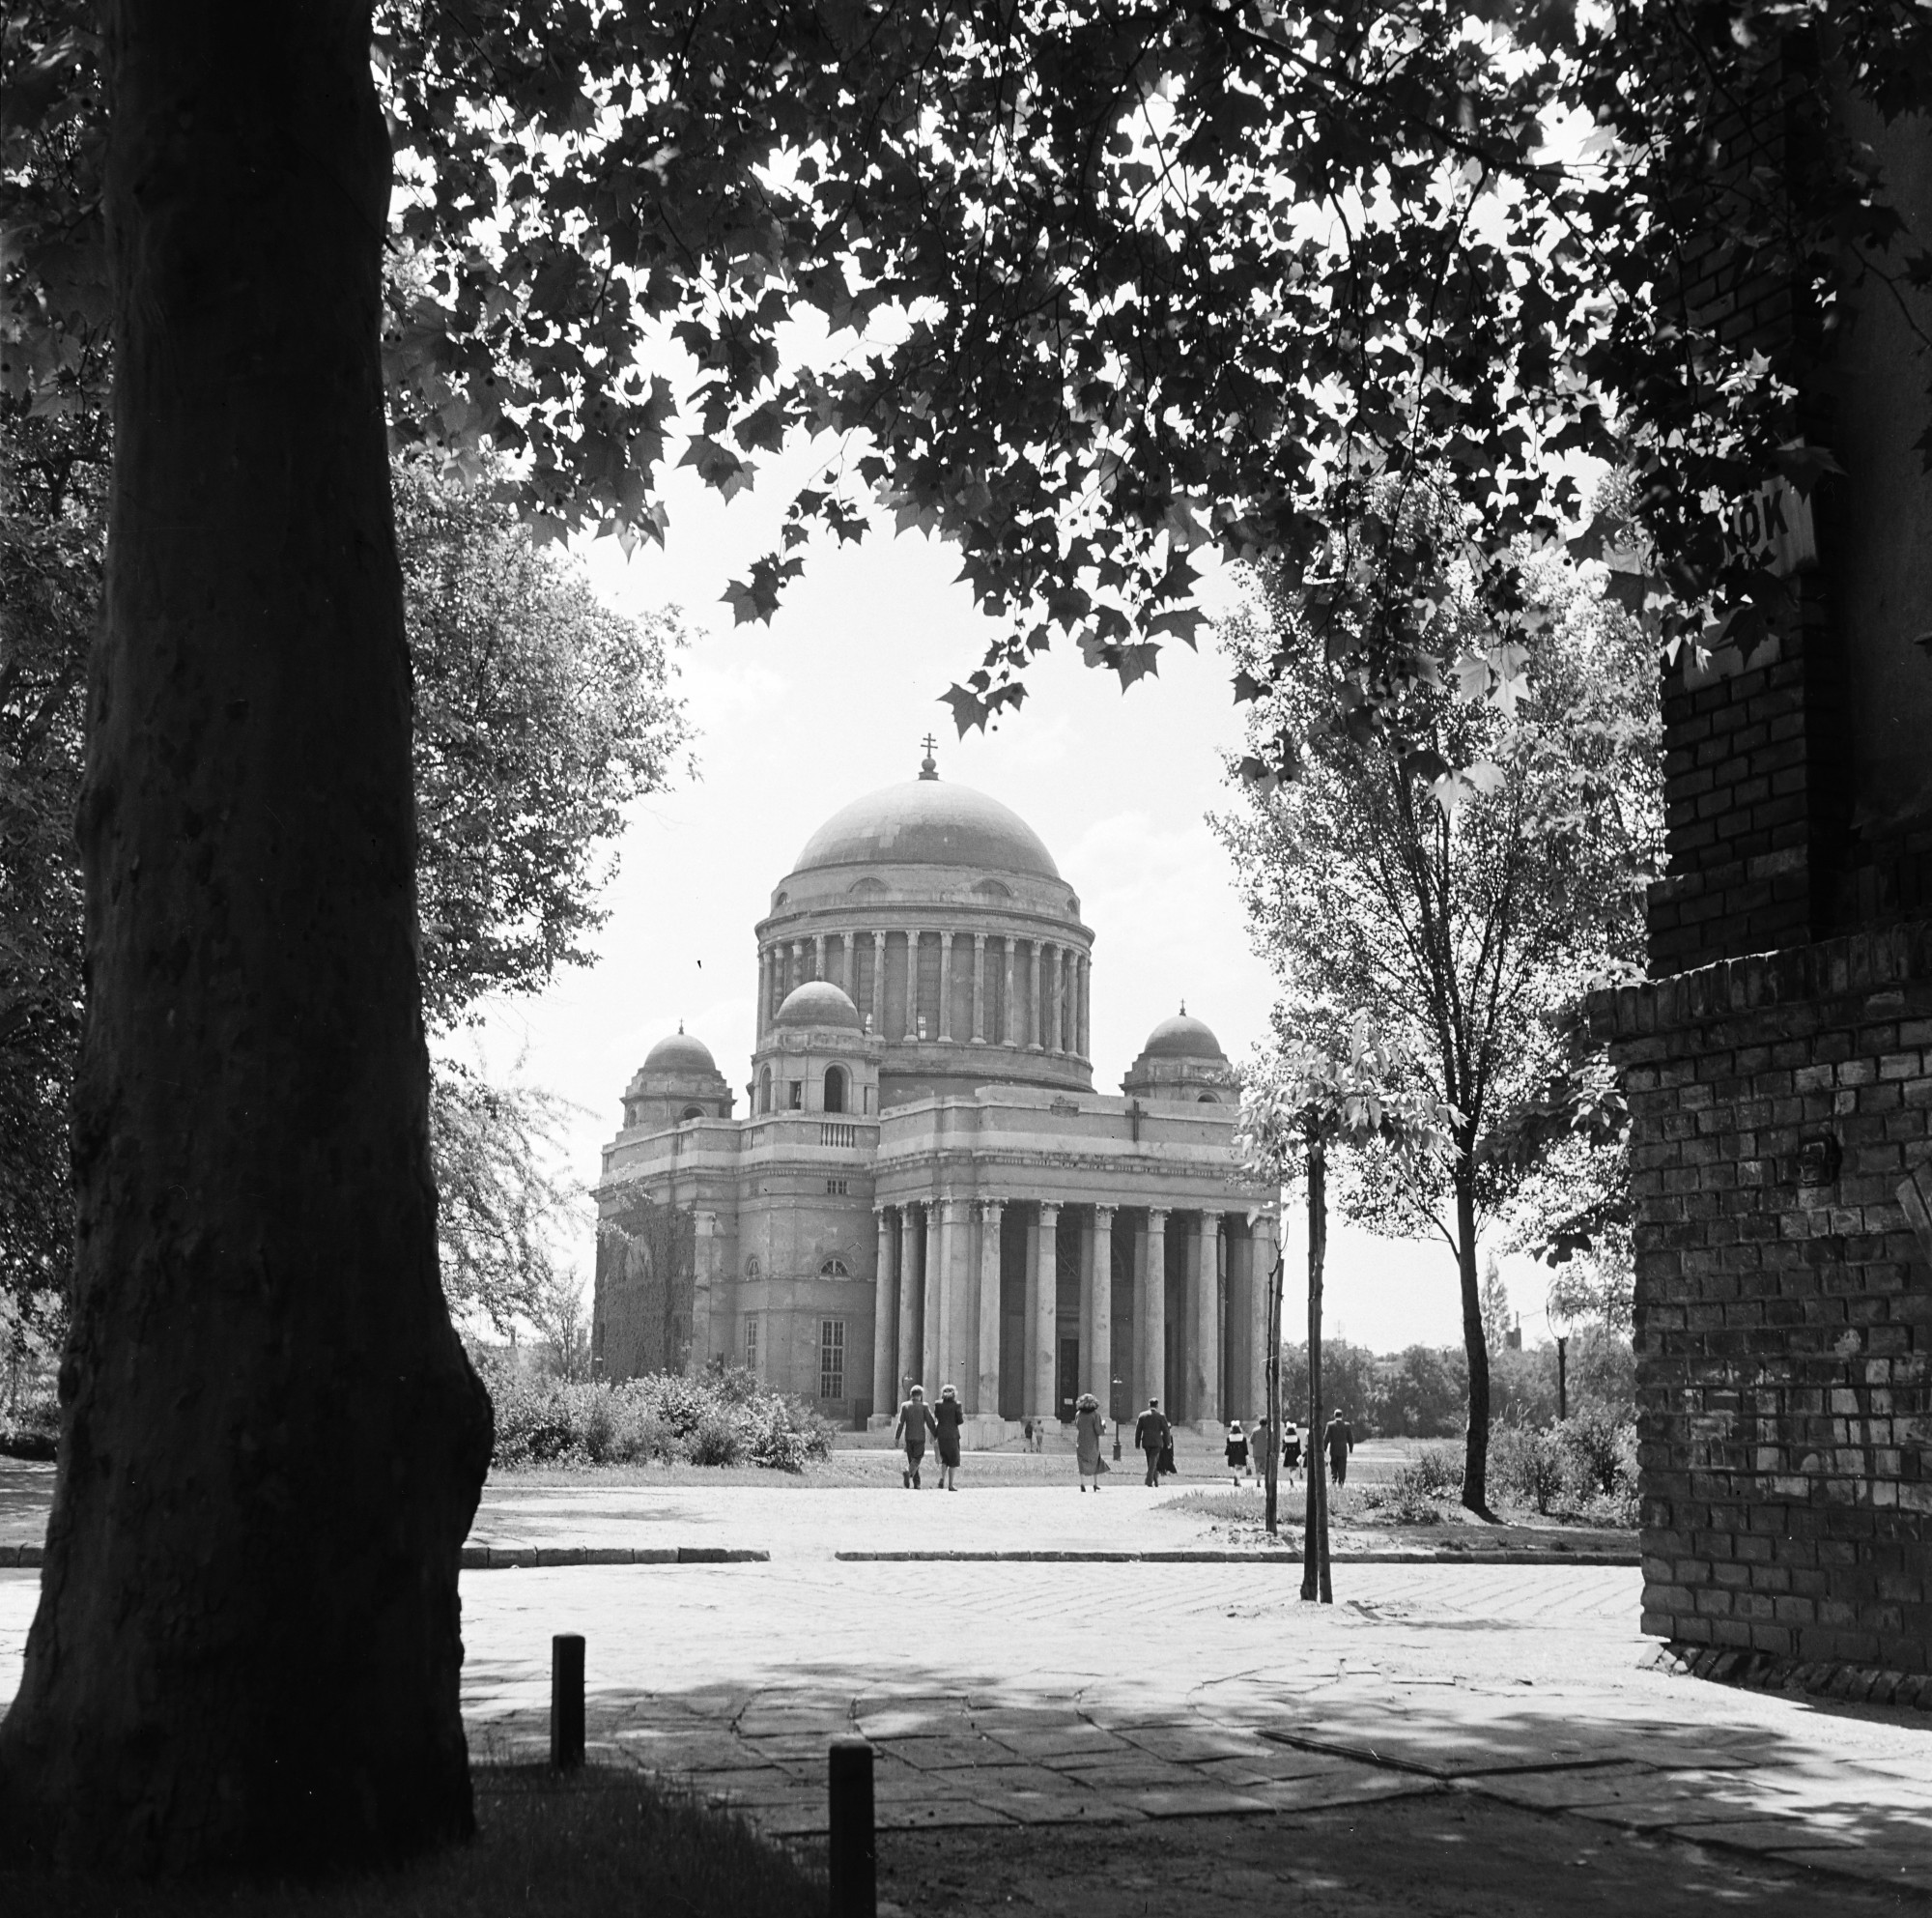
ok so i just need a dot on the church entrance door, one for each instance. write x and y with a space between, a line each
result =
1066 1387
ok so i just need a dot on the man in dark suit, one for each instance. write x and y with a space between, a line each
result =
1340 1439
1151 1431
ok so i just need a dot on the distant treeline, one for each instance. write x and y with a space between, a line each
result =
1423 1392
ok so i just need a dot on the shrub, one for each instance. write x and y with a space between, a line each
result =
1403 1501
1527 1466
724 1417
715 1439
32 1428
1601 1451
1436 1471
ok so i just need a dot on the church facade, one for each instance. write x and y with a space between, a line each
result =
926 1188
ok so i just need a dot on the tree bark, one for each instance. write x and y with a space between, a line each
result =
1271 1378
1476 1450
247 1645
1315 1579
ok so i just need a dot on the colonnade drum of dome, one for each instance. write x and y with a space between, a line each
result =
926 1187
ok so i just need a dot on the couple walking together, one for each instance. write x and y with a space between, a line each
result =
1153 1436
916 1420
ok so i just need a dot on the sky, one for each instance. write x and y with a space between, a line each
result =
830 701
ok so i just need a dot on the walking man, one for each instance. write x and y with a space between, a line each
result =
1340 1439
1151 1433
915 1421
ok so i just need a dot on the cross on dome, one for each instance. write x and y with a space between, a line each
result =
928 767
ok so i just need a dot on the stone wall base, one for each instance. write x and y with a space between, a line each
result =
1760 1671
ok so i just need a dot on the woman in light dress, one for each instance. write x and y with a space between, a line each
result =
1088 1426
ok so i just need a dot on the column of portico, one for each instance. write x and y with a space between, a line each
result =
1261 1268
796 978
848 964
1085 1005
1203 1318
946 987
911 1287
879 983
1007 998
1043 1316
1036 962
1062 973
988 1399
1098 1314
885 1313
1151 1311
818 956
912 984
959 1345
979 989
932 1316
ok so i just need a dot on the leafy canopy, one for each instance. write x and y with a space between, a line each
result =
1102 282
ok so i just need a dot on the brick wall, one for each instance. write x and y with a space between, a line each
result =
1784 1309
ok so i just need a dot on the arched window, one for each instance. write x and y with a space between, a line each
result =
835 1088
752 1268
1208 1099
833 1269
765 1088
692 1112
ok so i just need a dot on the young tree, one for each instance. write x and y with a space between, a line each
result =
1459 876
501 1204
1306 1100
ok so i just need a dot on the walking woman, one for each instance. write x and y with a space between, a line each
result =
1237 1450
947 1416
1290 1453
1088 1426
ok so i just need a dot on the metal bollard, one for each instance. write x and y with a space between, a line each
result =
853 1862
566 1701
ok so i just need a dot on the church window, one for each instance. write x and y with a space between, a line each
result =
796 1098
833 1269
1208 1099
835 1088
752 1343
765 1090
692 1112
832 1358
837 1188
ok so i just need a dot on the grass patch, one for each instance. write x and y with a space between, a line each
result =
602 1839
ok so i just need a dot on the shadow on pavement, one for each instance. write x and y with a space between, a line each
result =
965 1750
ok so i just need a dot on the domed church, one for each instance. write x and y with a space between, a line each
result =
925 1187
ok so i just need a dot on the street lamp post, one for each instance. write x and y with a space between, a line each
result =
1114 1394
1558 1316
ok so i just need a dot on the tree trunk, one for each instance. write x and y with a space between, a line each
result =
1271 1377
247 1645
1476 1451
1315 1579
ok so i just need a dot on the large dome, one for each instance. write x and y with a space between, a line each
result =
929 822
1181 1038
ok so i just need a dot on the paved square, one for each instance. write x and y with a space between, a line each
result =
1087 1695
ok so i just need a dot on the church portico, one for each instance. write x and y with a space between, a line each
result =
927 1188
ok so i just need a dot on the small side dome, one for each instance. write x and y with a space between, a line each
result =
679 1053
819 1002
1182 1038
